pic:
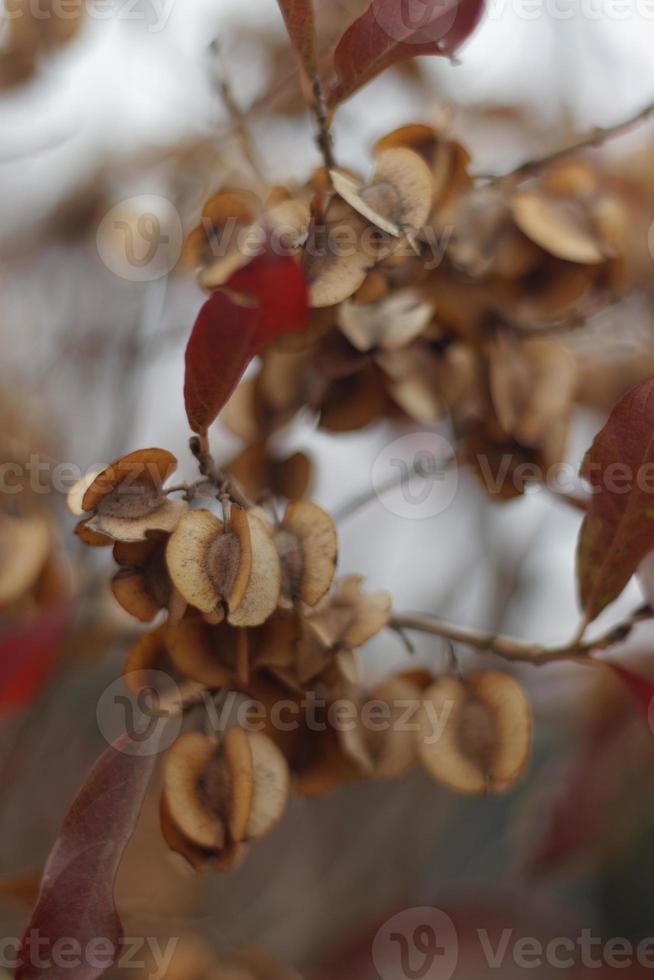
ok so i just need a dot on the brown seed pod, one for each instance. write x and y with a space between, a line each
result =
142 585
126 501
362 614
194 788
215 566
399 195
307 544
265 582
204 653
484 732
215 797
391 323
258 473
393 745
561 226
338 255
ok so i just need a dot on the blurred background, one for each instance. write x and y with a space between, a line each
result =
122 108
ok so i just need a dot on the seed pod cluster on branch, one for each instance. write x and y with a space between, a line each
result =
430 295
251 618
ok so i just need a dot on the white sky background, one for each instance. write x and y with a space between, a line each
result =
124 84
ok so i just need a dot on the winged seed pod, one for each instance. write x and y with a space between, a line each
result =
225 570
126 501
398 196
307 545
484 742
216 798
142 585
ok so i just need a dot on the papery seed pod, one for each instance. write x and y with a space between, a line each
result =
142 585
223 569
204 653
307 545
398 196
339 254
391 323
259 473
126 501
561 226
475 732
216 797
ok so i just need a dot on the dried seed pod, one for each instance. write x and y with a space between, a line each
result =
352 617
204 653
259 473
215 797
126 501
393 746
475 732
398 196
271 780
208 562
194 790
212 247
338 255
561 226
232 568
142 585
391 323
307 544
148 666
265 582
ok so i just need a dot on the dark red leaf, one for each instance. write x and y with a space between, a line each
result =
640 686
278 286
618 530
392 31
76 900
28 654
217 354
300 23
262 301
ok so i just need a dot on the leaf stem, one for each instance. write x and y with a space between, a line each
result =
323 136
225 484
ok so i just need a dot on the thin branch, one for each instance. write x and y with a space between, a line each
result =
519 650
323 137
594 139
223 482
239 119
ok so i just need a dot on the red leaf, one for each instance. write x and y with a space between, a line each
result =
300 23
618 530
640 686
230 330
76 898
28 655
277 285
392 31
217 354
